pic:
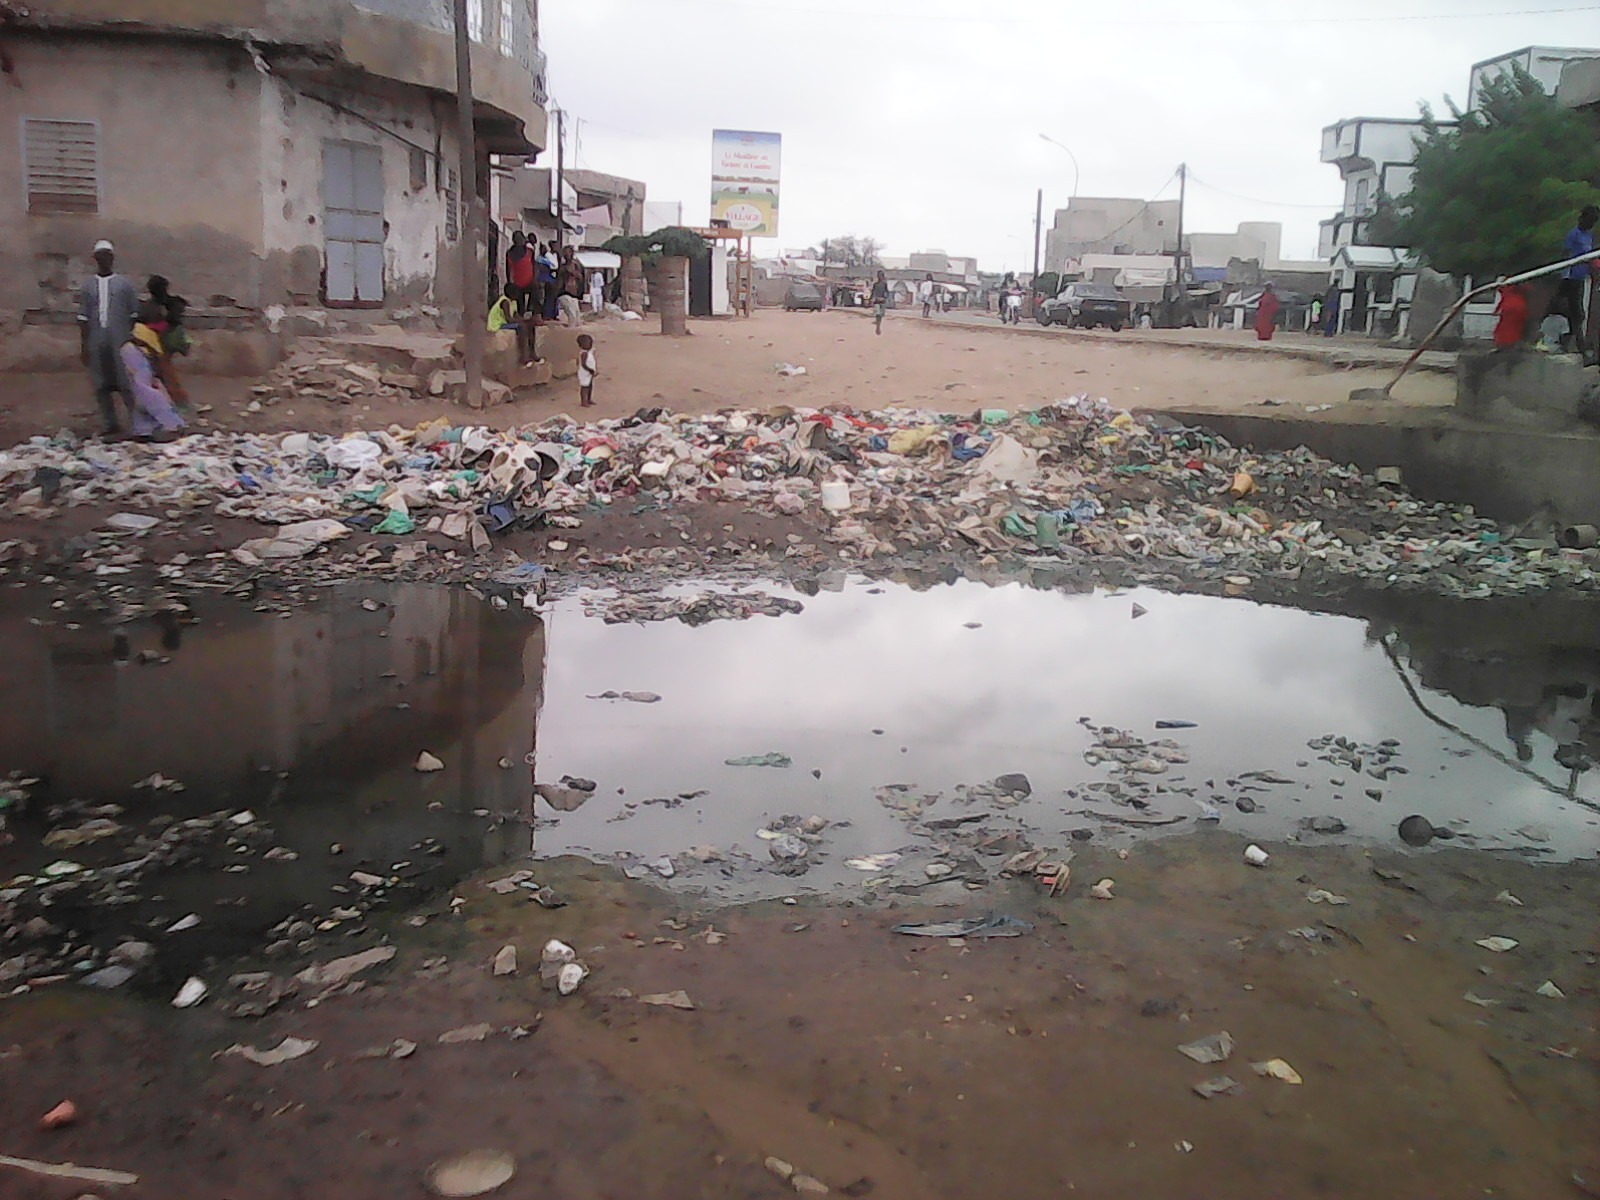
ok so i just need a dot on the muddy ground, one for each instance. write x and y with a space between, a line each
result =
887 1065
946 367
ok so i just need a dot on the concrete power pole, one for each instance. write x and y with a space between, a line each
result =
1038 232
474 304
561 180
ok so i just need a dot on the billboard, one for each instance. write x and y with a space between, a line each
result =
744 180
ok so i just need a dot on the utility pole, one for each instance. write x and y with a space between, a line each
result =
474 303
1038 232
561 179
1180 307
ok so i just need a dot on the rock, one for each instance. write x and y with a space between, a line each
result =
781 1169
341 970
108 977
1102 890
1015 783
787 848
427 762
676 999
1416 831
132 953
806 1185
1245 805
465 1033
505 962
1330 825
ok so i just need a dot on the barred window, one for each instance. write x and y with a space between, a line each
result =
452 212
61 164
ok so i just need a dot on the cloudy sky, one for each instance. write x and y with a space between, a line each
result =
917 121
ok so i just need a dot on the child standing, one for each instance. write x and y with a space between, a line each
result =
587 370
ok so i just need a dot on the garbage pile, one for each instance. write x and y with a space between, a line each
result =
1077 480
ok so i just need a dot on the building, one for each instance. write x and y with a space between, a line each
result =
1375 157
259 153
595 206
1544 63
1580 85
1090 227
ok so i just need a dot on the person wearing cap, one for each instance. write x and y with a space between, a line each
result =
108 303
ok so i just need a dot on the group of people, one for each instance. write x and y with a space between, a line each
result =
128 343
541 287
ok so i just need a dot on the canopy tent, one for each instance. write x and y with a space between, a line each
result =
599 260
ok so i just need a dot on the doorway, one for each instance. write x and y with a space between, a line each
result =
352 200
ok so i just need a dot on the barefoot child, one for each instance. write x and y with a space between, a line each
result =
587 370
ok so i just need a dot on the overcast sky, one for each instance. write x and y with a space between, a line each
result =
917 121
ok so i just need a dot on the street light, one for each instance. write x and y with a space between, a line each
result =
1046 137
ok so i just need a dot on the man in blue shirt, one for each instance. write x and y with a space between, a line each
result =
1575 283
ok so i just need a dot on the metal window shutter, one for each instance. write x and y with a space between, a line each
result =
62 161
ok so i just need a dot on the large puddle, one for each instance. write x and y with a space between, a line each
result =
885 698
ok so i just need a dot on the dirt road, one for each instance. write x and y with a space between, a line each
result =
895 1067
946 366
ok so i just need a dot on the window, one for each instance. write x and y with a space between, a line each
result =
508 28
452 215
61 163
419 168
475 20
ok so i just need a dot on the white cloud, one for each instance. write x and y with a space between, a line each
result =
917 121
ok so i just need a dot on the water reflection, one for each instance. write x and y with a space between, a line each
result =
311 721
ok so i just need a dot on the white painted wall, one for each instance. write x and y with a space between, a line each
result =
293 130
721 301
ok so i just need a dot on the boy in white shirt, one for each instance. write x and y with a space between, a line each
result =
587 370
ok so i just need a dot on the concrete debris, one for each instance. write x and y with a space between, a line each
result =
287 1050
676 999
342 970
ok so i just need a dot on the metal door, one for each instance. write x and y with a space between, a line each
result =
352 199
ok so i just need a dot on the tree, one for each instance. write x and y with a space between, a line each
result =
1048 284
848 251
1496 192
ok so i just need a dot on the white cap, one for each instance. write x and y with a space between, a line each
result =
103 244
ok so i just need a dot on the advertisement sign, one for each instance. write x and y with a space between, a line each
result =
745 169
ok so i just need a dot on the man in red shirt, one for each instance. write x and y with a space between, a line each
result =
521 272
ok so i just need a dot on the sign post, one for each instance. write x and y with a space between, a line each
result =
745 169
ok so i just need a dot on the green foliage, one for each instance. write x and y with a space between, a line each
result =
1496 193
848 251
671 241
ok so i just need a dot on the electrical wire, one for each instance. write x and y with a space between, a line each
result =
1193 178
1143 208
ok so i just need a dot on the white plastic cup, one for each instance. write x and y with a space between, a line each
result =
835 495
1255 856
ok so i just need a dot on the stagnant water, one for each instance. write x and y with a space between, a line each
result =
313 720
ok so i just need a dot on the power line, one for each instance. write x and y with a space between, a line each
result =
1193 178
857 13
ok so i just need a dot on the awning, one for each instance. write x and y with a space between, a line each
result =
954 287
599 260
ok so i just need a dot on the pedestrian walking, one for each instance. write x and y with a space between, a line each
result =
588 371
1267 313
597 292
107 307
880 302
925 293
1569 301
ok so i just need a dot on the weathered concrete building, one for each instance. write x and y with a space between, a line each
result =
259 153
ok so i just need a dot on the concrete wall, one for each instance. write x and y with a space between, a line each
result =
1508 474
180 193
419 263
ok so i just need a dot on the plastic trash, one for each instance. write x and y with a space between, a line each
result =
1256 856
59 1117
1103 889
873 862
1498 945
287 1050
191 993
1323 896
835 495
1276 1068
676 999
1219 1086
396 523
988 926
475 1173
131 522
771 759
1214 1049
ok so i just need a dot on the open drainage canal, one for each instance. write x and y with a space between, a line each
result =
258 769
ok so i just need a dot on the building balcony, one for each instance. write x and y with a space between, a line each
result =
340 42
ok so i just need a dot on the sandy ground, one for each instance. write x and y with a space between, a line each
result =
900 1068
948 366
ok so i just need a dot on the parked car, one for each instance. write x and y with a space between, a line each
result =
802 297
1085 305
